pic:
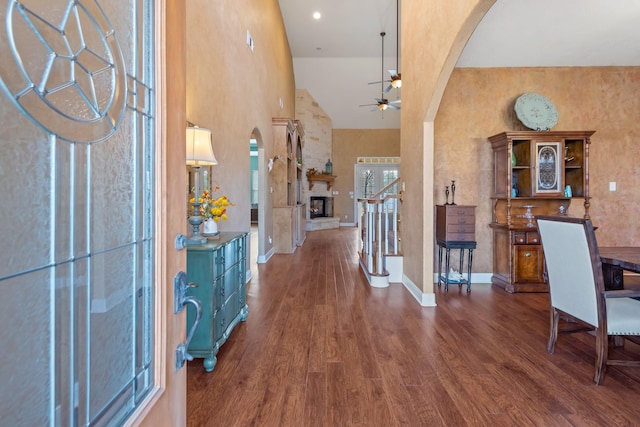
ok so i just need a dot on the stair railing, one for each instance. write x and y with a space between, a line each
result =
378 220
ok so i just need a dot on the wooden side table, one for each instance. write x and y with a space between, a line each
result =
455 229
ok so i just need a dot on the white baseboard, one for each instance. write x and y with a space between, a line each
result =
263 259
429 299
424 299
348 224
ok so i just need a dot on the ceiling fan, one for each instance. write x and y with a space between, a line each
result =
396 76
383 103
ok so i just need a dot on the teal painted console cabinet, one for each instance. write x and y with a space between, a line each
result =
219 270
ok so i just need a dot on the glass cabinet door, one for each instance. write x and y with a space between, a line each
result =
548 168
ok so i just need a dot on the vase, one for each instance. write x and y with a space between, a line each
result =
210 227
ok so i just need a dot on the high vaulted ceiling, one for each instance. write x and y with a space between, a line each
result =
336 56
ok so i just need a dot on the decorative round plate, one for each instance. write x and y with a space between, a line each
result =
536 111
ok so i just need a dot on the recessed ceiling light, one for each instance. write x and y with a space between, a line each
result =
317 15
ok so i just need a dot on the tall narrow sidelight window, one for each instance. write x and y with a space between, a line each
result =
77 214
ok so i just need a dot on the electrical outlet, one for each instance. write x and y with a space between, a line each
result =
612 186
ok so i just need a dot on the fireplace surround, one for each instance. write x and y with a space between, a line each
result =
321 207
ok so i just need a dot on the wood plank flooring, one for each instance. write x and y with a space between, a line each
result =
322 348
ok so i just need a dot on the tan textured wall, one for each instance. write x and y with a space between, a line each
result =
479 103
232 90
348 144
433 35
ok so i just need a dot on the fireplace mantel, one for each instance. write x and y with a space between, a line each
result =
321 177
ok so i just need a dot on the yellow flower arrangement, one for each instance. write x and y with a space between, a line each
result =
211 208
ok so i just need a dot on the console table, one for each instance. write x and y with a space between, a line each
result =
455 229
219 269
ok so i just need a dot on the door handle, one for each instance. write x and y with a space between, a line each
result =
181 299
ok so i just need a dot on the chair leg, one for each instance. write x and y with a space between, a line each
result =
602 342
553 330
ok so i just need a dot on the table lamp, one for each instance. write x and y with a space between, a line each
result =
199 153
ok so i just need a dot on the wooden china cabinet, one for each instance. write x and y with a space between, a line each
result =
535 173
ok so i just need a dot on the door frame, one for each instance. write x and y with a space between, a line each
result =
166 404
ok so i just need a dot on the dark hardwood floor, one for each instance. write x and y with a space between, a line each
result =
322 348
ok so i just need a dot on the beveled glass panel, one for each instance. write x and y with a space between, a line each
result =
77 180
112 189
25 391
26 199
111 330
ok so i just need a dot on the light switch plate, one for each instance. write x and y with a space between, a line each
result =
612 186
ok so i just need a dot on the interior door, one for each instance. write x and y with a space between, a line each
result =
91 178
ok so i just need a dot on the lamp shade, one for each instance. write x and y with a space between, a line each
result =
199 150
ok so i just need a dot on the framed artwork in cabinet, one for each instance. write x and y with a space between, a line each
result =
548 168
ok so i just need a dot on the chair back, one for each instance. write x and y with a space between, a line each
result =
573 266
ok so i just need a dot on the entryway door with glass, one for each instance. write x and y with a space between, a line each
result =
77 167
372 174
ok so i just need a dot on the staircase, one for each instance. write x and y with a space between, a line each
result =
379 242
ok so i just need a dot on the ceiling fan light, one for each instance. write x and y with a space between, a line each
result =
397 83
382 106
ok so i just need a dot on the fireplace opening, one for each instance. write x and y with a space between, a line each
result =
321 207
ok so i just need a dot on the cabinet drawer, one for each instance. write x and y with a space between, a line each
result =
231 281
461 219
460 237
519 238
526 238
453 210
461 228
223 317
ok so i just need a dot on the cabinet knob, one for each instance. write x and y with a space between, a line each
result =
528 254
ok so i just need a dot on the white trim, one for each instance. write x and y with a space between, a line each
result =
394 265
348 224
378 160
374 281
263 259
425 299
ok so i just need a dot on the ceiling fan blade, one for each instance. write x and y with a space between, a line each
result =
388 89
396 101
393 72
378 82
395 107
367 105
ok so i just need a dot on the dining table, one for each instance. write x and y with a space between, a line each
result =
615 261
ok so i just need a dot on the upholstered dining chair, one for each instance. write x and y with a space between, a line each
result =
576 288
